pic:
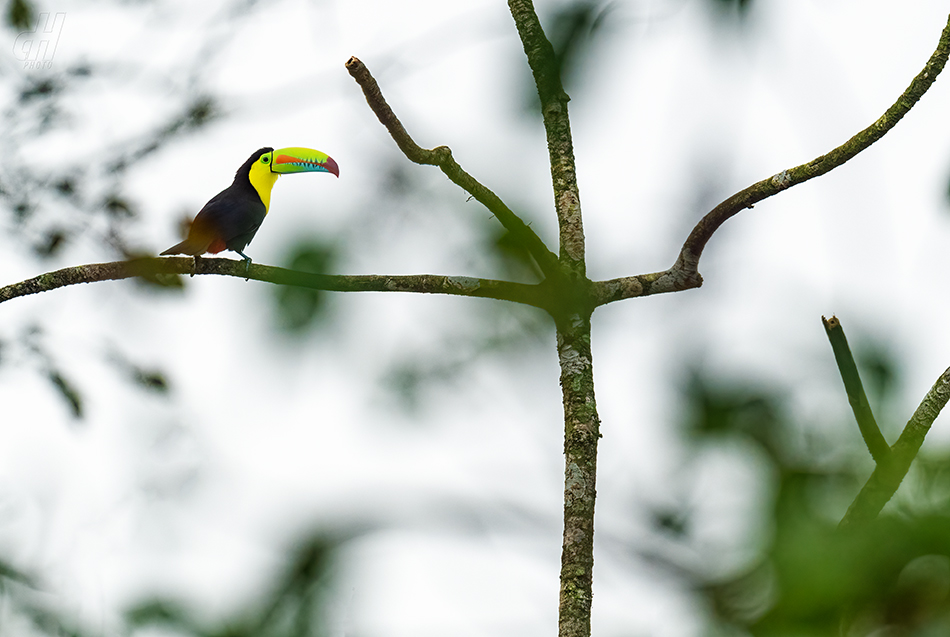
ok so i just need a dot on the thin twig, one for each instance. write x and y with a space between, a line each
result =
441 156
684 274
887 476
870 431
156 268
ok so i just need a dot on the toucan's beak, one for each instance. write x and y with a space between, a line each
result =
302 160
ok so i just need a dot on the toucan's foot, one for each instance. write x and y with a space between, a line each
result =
194 268
247 264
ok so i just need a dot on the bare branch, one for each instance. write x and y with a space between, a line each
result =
854 388
887 476
441 156
685 272
628 287
156 268
557 126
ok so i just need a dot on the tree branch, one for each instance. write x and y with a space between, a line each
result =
155 268
628 287
685 272
887 476
557 126
854 388
581 422
581 435
441 156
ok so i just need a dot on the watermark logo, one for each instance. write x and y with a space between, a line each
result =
36 48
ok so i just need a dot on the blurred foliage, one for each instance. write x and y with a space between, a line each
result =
52 205
573 31
577 28
67 390
196 112
880 374
512 258
723 410
149 379
298 309
295 605
52 208
737 8
507 335
20 15
59 380
30 350
891 577
152 380
24 610
463 236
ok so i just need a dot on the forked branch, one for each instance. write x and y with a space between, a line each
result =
887 476
891 463
685 272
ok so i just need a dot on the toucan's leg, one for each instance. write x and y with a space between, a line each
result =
194 269
247 262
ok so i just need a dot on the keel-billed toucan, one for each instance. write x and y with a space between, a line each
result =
231 219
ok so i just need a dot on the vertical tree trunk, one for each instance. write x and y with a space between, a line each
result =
571 310
581 433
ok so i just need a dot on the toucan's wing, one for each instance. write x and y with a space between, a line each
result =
228 221
233 217
202 233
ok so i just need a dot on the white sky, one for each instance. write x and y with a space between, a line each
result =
265 438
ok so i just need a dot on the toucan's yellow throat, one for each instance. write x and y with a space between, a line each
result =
263 181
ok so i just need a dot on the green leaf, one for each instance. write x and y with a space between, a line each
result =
20 15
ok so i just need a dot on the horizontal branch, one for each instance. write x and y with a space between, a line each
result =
155 268
887 476
684 274
441 156
628 287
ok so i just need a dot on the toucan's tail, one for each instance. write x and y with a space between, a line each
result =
194 247
180 248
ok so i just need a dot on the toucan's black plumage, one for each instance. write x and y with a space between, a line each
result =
232 217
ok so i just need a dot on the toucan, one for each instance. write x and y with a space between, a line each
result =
231 218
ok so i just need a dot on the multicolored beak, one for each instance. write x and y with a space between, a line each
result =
302 160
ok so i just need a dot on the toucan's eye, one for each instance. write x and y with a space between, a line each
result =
265 159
